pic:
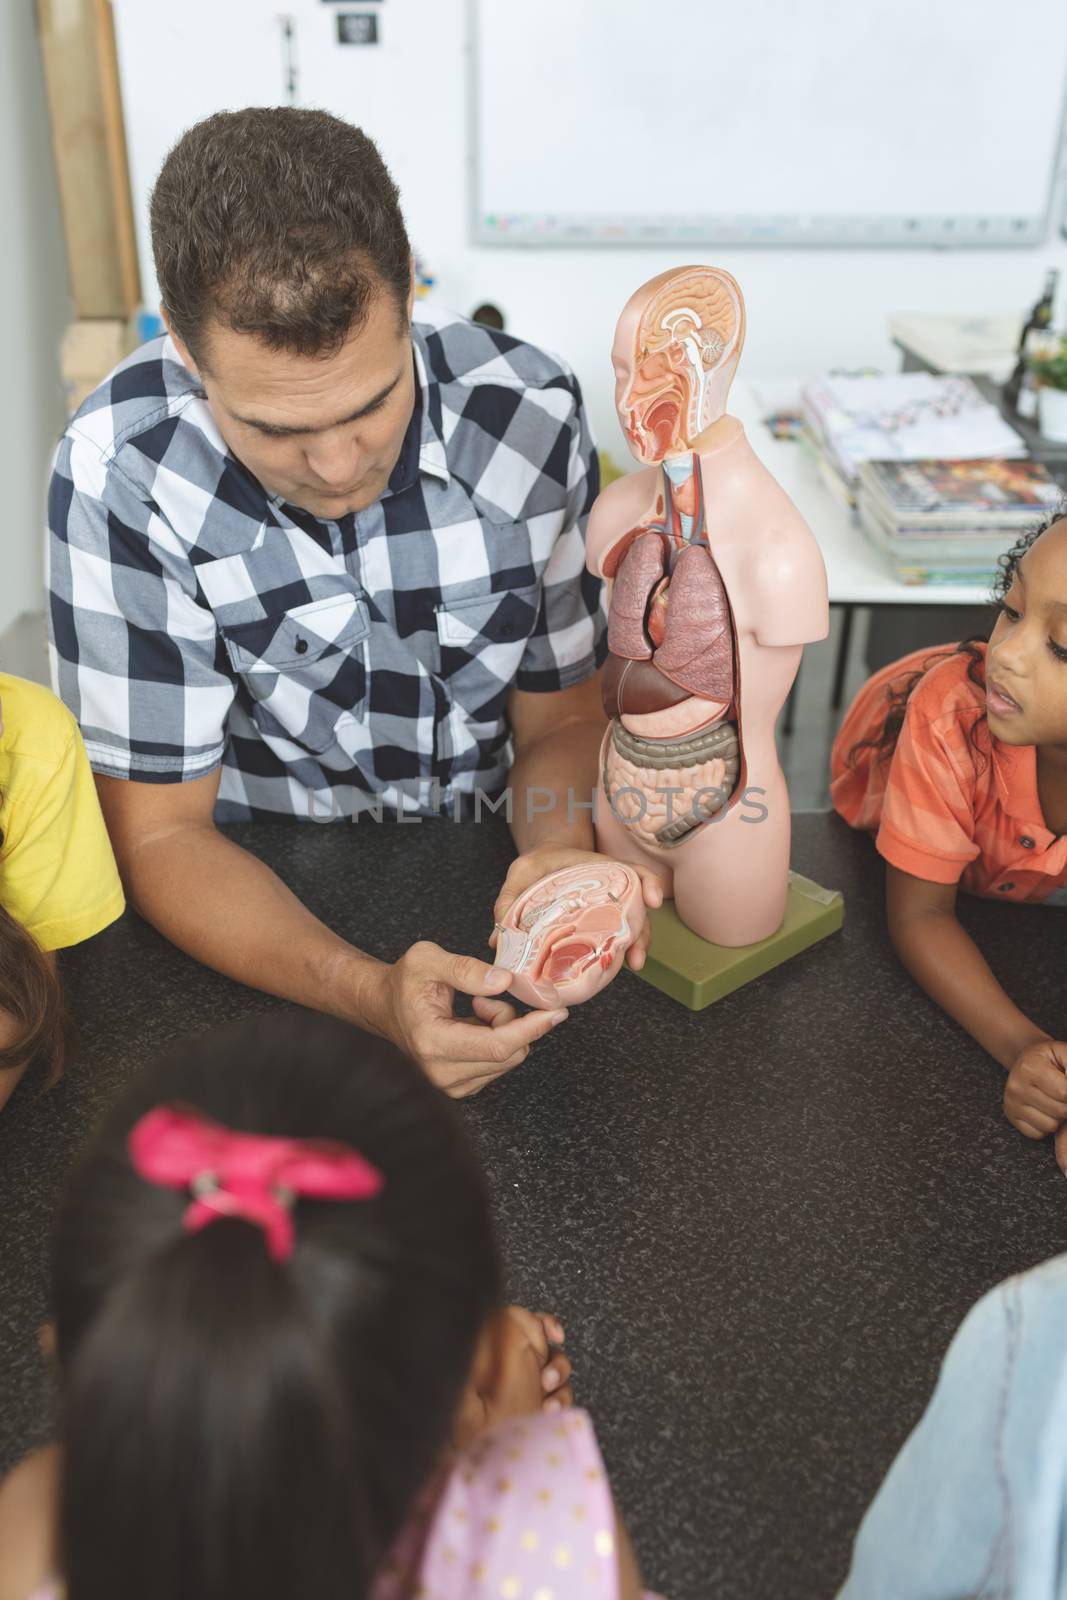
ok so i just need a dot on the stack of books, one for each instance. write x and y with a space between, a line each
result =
950 521
911 416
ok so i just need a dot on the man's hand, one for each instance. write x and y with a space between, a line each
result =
414 1010
1035 1096
549 857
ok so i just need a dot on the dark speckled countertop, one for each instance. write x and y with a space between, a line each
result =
761 1224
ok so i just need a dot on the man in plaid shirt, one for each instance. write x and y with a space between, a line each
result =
309 558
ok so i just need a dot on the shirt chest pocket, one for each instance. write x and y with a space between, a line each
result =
304 669
481 639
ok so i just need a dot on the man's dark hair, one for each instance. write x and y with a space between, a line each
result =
277 222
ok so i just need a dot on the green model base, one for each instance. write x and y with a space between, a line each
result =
697 973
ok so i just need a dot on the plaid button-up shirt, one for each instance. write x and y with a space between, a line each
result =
197 621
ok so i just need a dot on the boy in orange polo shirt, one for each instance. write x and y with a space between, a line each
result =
958 761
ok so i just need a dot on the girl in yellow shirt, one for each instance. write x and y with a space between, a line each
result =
58 880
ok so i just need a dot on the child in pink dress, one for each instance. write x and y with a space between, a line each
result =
283 1359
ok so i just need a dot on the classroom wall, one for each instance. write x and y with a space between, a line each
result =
34 308
807 309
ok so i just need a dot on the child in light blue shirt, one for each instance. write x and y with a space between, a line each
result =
974 1505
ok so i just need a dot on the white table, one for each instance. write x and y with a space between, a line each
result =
856 575
986 344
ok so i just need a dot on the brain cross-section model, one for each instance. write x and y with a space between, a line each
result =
566 937
686 344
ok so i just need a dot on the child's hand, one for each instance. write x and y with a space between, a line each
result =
545 1333
1035 1095
516 1374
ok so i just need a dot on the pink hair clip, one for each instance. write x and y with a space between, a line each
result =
247 1175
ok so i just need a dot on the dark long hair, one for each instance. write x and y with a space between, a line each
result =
884 742
238 1426
30 992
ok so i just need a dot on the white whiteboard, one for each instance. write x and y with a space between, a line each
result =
766 121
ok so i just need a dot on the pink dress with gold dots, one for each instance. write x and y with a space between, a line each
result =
526 1514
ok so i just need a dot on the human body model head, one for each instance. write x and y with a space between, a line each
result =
286 281
677 345
243 1416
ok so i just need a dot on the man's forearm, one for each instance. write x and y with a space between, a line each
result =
944 959
222 905
553 782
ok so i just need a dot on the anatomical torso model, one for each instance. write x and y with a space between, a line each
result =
717 583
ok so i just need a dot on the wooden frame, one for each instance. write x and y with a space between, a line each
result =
89 139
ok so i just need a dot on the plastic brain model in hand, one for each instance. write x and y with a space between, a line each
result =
567 935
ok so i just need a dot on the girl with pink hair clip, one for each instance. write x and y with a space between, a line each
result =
284 1361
